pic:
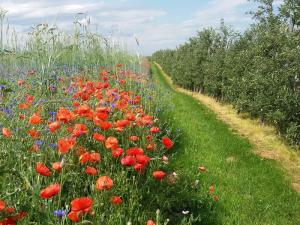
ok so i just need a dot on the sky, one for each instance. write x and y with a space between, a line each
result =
156 24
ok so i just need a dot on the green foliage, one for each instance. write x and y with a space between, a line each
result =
290 10
257 71
247 186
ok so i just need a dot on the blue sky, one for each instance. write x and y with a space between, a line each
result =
157 24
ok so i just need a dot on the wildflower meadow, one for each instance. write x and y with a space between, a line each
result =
105 118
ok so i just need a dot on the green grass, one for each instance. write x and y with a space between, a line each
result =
251 190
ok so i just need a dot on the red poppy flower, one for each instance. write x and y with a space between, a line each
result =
9 210
2 205
35 119
85 157
76 104
154 129
50 191
102 110
12 220
79 207
29 99
54 126
64 115
146 120
135 151
104 125
33 133
111 142
128 161
79 129
142 159
150 222
73 216
70 129
57 166
134 138
99 137
83 109
104 183
65 144
83 204
116 200
130 116
6 132
20 82
90 170
23 106
95 157
117 152
159 175
122 123
136 100
167 142
101 116
42 169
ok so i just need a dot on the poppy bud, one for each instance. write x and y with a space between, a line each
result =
159 175
116 200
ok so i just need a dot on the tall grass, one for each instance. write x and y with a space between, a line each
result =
48 46
46 69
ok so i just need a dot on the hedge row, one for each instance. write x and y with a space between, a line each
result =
257 71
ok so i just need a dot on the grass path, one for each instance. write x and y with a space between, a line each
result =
251 190
267 144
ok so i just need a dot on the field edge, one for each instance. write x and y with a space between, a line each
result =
267 144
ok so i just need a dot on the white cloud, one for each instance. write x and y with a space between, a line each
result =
151 26
153 36
229 10
170 35
130 19
40 9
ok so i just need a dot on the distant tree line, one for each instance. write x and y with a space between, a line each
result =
257 71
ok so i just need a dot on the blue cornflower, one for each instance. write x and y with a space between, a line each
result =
60 213
52 113
7 111
39 142
53 145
